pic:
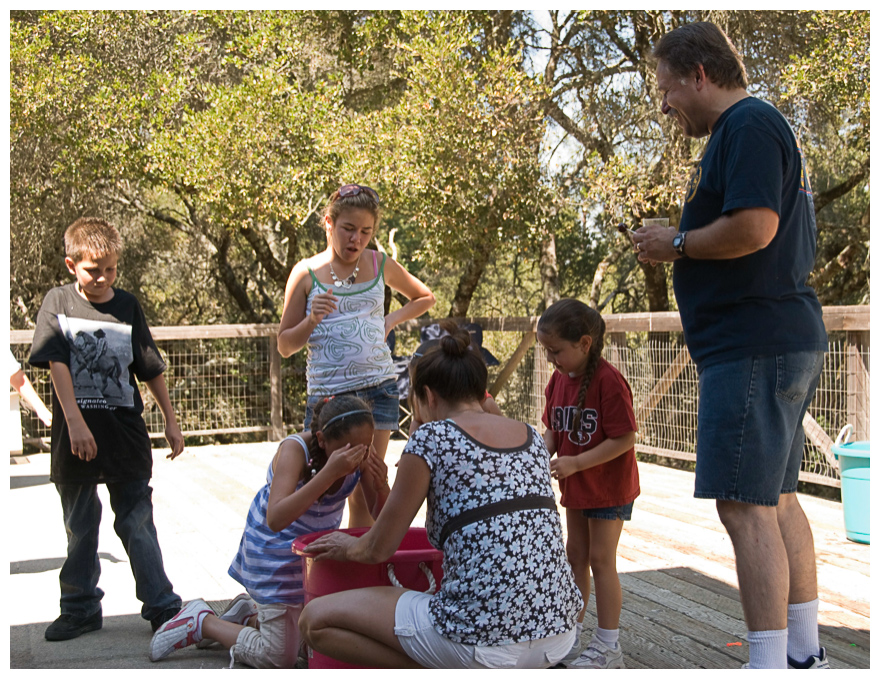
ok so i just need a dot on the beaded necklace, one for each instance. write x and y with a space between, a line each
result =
345 283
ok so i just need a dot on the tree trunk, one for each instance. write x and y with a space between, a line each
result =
470 278
227 277
657 293
549 272
263 253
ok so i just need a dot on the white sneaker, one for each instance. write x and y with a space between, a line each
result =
238 611
814 662
183 630
573 654
599 655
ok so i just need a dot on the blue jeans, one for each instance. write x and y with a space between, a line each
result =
750 434
383 400
133 508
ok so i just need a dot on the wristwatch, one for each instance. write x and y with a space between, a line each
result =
678 243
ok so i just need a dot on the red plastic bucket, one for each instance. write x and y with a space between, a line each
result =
416 565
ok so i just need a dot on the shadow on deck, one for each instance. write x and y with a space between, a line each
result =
680 602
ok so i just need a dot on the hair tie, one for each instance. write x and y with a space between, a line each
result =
342 415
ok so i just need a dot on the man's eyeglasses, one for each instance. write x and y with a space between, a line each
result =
347 190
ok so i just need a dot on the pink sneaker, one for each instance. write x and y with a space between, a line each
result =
238 611
183 630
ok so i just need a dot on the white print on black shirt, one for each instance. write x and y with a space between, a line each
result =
562 420
100 354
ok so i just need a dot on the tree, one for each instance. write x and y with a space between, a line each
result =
213 138
631 162
828 89
457 153
213 128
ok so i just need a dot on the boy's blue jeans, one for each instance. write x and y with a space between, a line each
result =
133 508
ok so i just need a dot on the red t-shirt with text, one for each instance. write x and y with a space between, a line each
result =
607 413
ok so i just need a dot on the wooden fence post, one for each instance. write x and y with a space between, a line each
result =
614 343
857 386
275 391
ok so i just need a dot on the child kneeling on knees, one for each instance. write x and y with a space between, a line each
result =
305 491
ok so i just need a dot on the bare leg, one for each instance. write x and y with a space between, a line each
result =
356 626
798 539
224 632
358 512
577 547
604 537
762 565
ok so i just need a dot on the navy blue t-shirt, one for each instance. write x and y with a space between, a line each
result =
760 303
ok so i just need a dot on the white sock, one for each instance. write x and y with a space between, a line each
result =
767 648
803 630
578 630
609 637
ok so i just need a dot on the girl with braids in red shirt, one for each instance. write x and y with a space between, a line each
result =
591 428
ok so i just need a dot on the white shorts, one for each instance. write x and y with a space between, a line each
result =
423 644
276 643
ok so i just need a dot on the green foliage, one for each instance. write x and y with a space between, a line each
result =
458 152
828 89
213 138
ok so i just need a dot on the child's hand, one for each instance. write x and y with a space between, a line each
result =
374 472
322 305
563 467
175 439
82 443
347 459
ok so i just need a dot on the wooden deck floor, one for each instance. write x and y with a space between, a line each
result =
680 602
681 605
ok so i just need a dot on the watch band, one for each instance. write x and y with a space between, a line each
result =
678 243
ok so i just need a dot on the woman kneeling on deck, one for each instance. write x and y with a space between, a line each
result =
508 598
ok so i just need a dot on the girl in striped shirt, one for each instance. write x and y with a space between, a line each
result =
305 491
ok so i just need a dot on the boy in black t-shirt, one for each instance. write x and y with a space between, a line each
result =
95 340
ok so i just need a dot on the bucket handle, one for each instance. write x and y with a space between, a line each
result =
847 430
432 587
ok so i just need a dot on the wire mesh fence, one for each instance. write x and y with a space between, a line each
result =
220 389
667 418
229 383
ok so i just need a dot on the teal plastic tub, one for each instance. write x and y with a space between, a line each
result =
854 459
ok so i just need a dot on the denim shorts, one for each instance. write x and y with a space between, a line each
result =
750 433
420 640
383 399
624 512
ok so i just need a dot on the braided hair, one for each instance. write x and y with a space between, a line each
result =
570 320
353 411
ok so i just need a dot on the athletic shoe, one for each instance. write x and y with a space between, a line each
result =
183 630
164 617
238 611
599 655
573 654
68 626
814 662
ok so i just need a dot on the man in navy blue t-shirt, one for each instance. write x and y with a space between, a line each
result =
742 254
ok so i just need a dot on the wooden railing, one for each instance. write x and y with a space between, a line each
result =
853 321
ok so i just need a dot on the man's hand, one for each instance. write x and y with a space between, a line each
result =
654 244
